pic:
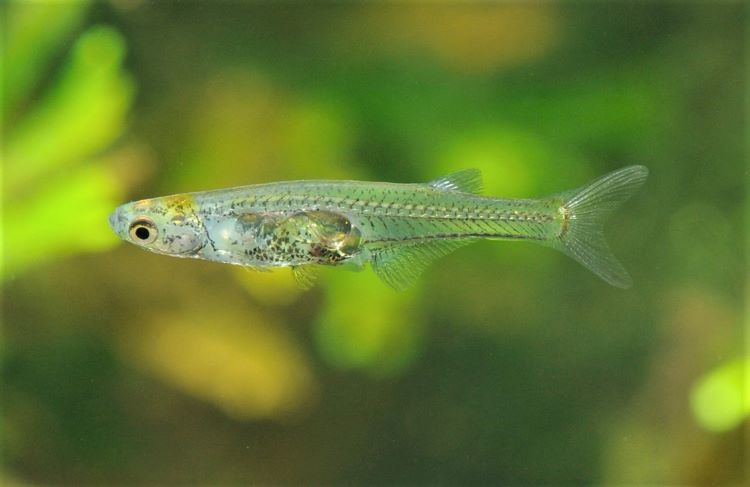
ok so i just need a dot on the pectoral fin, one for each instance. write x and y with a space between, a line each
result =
305 275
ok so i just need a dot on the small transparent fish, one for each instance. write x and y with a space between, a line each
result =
399 229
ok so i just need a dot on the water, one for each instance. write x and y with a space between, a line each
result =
507 363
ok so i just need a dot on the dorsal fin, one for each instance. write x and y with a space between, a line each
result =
466 181
399 265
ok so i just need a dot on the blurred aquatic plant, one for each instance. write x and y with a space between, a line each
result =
33 32
253 130
270 288
513 161
58 186
380 335
465 38
529 375
239 361
721 399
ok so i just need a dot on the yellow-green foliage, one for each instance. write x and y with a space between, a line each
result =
721 399
59 181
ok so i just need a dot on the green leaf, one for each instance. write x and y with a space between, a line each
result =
34 32
82 114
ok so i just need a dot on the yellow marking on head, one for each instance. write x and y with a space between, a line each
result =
179 204
178 200
142 204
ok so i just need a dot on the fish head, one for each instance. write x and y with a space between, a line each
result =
163 225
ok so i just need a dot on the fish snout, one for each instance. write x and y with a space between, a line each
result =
114 220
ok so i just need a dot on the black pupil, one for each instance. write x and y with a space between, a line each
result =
142 233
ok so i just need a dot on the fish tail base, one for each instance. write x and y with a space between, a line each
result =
583 214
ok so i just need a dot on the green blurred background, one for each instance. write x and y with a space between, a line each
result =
507 363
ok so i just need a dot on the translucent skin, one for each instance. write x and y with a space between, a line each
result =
328 222
179 231
398 228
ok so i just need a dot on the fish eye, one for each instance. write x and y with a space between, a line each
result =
143 231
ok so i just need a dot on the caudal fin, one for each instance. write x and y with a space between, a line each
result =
585 211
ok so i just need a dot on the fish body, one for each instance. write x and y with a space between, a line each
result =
397 228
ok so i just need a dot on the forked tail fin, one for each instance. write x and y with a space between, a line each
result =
585 211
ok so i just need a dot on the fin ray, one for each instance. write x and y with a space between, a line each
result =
466 181
399 265
305 276
587 209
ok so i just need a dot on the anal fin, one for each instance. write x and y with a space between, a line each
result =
399 265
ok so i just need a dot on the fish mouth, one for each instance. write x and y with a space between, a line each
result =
114 218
